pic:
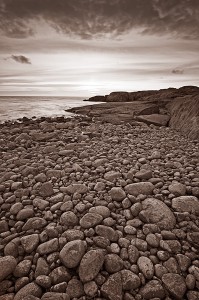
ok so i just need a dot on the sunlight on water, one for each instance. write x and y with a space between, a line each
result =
18 107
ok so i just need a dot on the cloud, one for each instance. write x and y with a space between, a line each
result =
20 59
96 18
178 71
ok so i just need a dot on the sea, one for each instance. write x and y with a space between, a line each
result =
12 108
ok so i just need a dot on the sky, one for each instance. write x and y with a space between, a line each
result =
83 48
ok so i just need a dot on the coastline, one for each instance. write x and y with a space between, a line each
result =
116 193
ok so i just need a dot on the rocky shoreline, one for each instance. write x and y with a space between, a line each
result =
97 210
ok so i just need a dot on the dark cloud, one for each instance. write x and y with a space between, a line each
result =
178 71
91 18
20 59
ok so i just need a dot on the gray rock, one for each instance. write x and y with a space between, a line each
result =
112 288
177 189
133 254
175 284
152 289
68 218
144 174
101 210
72 253
112 176
135 189
91 264
90 289
146 267
25 214
34 223
23 268
43 281
117 194
29 289
30 242
46 189
77 188
48 247
42 267
107 232
7 266
113 263
156 212
75 288
90 220
3 226
130 281
155 119
186 204
57 296
59 274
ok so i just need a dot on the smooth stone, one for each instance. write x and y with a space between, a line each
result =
152 289
107 232
146 267
72 253
143 174
68 218
157 212
175 284
7 266
77 188
186 204
113 263
53 296
177 189
34 223
117 194
130 281
48 247
46 189
29 289
30 242
91 264
135 189
90 220
101 210
112 288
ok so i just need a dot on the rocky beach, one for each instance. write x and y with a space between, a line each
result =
104 205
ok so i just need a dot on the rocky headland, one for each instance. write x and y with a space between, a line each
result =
101 206
176 108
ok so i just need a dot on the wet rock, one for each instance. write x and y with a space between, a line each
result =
72 253
135 189
175 284
91 264
7 266
156 212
